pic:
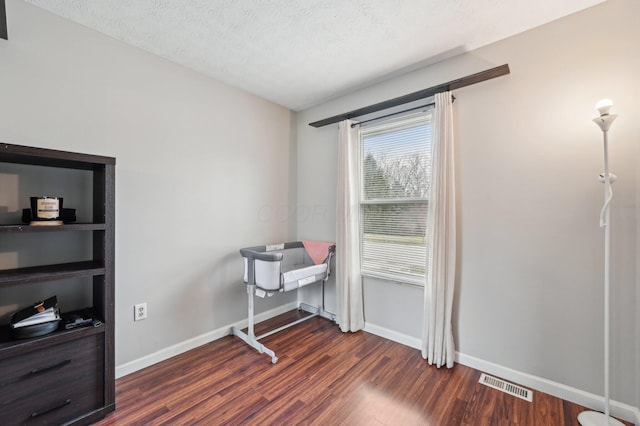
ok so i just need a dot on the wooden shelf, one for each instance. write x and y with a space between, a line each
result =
24 228
10 347
52 158
34 274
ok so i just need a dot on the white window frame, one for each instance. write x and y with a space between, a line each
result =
418 255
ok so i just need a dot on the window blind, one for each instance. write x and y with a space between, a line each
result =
394 206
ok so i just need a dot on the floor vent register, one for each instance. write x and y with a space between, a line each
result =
506 387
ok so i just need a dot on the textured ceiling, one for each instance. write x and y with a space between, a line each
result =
300 53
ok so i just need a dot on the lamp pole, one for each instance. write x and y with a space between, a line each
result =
604 121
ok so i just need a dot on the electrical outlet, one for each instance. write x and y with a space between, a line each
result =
140 311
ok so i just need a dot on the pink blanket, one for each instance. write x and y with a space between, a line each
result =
317 250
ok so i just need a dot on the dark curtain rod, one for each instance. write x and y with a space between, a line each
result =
421 94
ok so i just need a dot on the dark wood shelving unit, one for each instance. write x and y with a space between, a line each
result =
68 376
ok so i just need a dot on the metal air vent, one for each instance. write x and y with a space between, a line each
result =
506 387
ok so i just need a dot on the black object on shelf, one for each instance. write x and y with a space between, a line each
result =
80 318
34 330
38 308
39 319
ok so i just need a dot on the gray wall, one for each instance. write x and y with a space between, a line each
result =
191 187
529 287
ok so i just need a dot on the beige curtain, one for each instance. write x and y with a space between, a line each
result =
437 336
348 279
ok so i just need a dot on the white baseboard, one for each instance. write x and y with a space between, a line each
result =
404 339
187 345
592 401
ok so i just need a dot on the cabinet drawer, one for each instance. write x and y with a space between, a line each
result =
53 407
52 385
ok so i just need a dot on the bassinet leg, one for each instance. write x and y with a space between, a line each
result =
250 291
250 338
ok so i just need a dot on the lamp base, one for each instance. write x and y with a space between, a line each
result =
593 418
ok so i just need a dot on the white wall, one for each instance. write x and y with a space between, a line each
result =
529 287
191 187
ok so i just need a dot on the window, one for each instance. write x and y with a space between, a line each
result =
395 174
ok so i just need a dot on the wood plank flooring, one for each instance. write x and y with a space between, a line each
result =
323 377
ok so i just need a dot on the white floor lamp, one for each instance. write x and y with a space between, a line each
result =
593 418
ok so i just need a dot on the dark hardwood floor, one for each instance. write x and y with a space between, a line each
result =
322 377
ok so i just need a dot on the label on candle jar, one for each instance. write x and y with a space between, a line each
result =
48 208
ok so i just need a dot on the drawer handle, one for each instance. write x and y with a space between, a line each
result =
62 404
49 368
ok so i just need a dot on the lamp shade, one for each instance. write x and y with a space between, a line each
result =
604 120
603 106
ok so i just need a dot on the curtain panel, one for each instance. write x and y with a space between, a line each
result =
437 335
350 313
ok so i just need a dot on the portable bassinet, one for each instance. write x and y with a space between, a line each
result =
270 269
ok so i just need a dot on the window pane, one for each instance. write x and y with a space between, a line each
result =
394 240
397 163
395 179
